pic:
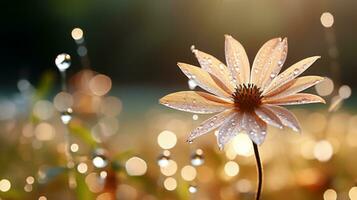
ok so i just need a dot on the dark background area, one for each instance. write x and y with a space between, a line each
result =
140 41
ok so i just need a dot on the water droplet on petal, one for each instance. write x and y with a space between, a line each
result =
192 84
296 71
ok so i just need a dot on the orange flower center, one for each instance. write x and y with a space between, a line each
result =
247 97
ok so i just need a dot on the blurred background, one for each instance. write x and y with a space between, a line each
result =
79 113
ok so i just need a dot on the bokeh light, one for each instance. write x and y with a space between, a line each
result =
345 91
325 87
327 19
170 169
44 131
352 193
63 101
231 168
100 84
77 34
5 185
170 184
167 139
242 145
135 166
330 194
323 150
82 167
188 173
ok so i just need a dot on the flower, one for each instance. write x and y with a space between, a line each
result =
245 100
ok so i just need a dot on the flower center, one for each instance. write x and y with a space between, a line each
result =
247 97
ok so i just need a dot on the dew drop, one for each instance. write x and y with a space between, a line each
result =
99 158
193 49
63 61
192 84
66 116
192 189
197 158
296 71
163 159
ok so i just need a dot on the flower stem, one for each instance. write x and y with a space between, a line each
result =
260 171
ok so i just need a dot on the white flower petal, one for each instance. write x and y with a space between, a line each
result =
268 57
269 61
292 72
237 60
229 129
268 116
215 67
254 127
286 117
195 102
294 86
210 124
203 79
295 99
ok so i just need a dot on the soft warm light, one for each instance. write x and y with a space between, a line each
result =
42 198
43 109
188 173
82 168
77 34
244 186
323 150
44 131
205 174
110 106
127 192
103 174
242 145
345 91
104 196
167 139
170 169
100 84
5 185
93 183
28 188
330 194
135 166
30 180
231 168
170 183
63 101
327 19
325 87
74 147
316 122
353 193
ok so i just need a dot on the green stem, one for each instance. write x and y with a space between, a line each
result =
260 171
